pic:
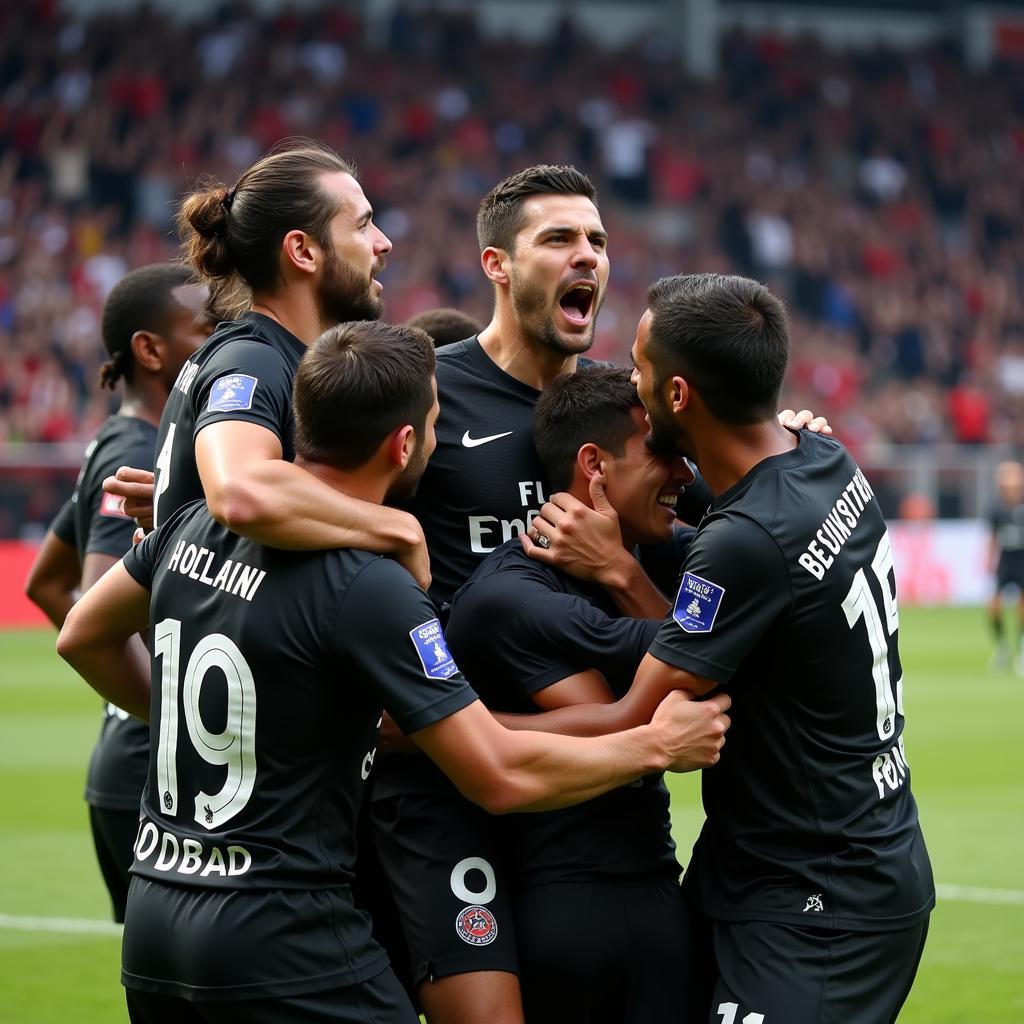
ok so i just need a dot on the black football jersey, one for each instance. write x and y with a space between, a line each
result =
95 524
270 670
788 599
517 627
484 483
244 371
1008 529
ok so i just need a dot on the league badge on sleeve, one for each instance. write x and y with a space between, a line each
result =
112 505
232 393
428 639
697 603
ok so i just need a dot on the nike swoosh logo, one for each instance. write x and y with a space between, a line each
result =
475 442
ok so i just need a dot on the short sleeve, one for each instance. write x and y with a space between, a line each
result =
388 630
545 635
110 531
141 559
253 384
63 525
735 584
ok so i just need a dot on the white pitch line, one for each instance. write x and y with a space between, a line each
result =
87 926
77 925
972 894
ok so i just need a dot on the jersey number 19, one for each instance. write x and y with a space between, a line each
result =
235 746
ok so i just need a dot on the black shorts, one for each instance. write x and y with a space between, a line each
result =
773 972
113 835
608 952
443 859
1010 571
380 1000
225 945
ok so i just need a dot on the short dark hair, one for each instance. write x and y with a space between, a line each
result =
232 234
727 335
500 216
445 325
141 301
356 383
594 405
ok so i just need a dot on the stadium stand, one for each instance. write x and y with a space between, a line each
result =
878 192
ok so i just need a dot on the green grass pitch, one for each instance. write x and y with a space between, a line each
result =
965 742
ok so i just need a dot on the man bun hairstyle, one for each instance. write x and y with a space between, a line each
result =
141 301
234 233
356 384
728 336
500 216
594 405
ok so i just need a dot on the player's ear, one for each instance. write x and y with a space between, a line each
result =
678 393
588 462
495 263
299 252
145 347
403 445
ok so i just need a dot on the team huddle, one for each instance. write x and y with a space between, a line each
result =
394 592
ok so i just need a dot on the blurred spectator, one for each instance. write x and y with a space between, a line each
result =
880 193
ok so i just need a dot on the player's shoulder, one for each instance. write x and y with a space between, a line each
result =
503 581
121 441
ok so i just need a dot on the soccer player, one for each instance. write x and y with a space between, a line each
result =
544 250
296 231
1007 559
531 637
152 322
810 882
269 672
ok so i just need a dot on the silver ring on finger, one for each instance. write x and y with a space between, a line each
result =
543 542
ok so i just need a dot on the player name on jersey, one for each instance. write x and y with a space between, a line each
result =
232 577
838 527
182 855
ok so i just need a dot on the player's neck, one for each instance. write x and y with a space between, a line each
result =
144 401
364 483
295 310
725 454
507 346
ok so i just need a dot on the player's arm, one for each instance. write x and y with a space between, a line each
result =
254 492
507 771
99 640
53 581
654 680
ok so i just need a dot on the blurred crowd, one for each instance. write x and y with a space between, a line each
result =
879 193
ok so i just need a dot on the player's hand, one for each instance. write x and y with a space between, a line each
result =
804 420
694 729
136 487
391 739
582 541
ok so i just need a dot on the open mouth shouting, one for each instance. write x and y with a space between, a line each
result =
577 302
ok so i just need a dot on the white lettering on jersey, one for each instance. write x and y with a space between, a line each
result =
232 577
187 856
529 490
890 769
489 532
186 377
837 528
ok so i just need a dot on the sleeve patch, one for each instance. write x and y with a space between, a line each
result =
231 393
428 639
112 505
697 603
